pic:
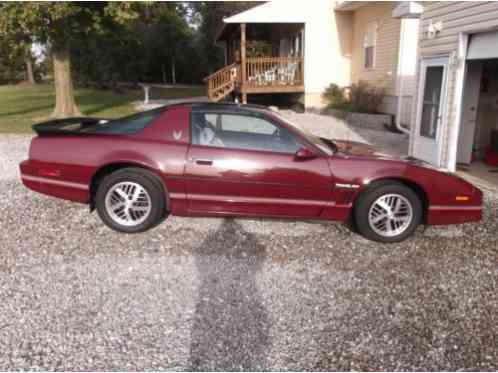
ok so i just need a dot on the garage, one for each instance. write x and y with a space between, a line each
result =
456 112
477 151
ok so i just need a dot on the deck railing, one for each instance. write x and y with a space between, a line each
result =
274 71
263 74
222 81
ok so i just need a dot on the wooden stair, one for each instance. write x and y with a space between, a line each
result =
221 83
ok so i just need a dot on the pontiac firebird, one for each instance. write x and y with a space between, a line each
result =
204 159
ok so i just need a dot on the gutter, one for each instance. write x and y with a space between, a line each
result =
400 78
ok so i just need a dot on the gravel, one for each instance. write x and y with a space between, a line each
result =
224 294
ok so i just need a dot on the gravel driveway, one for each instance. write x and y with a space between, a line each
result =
214 294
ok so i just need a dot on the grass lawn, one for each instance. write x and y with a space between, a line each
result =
23 105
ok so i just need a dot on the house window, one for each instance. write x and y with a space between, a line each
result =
369 42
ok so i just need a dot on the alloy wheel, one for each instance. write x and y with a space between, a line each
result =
128 203
390 215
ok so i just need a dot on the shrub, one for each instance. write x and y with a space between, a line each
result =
360 97
365 98
334 95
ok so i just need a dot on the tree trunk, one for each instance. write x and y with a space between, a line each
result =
173 70
164 73
65 105
30 77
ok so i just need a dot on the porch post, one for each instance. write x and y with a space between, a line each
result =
243 60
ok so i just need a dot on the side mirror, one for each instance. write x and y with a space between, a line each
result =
304 153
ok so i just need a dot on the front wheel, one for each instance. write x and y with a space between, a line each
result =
130 201
389 212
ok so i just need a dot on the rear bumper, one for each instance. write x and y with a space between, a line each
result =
37 178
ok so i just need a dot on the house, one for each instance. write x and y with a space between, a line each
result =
438 62
300 48
455 114
384 50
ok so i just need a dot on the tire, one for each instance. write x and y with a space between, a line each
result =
388 212
131 200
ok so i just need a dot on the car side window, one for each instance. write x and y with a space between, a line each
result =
243 123
239 131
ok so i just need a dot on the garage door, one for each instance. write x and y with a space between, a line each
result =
483 45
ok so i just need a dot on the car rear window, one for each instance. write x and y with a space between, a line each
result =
127 125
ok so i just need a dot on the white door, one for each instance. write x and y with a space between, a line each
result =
469 112
431 110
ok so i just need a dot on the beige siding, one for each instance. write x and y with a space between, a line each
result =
386 53
456 17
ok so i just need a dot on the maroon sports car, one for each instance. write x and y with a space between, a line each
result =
200 159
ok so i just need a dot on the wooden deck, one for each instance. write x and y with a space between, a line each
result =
257 75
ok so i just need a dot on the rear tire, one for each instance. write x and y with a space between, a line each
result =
131 200
388 212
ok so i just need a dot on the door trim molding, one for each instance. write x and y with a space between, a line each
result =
460 77
238 199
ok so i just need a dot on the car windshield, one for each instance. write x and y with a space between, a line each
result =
326 146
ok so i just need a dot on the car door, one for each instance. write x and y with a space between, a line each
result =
244 164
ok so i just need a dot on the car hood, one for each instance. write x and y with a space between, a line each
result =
359 149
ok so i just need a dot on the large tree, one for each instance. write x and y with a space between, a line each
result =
16 58
12 60
157 46
59 26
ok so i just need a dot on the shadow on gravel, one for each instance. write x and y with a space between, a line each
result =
231 326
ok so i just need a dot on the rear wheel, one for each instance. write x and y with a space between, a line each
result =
389 212
130 200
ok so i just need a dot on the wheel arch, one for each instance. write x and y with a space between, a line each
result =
415 187
109 168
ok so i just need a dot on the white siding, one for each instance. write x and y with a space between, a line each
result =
456 18
327 46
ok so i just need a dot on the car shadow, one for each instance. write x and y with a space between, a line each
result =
230 328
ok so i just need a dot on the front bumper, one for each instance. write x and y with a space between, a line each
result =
457 214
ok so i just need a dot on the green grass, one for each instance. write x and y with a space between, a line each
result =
23 105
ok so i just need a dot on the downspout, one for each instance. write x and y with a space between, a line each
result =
400 77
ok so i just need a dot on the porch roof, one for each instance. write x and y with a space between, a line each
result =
271 12
276 12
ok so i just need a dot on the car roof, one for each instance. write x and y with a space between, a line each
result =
228 106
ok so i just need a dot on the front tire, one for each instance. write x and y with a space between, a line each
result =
389 212
130 200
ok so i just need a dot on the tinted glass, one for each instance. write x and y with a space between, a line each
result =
317 141
128 125
242 123
236 131
431 102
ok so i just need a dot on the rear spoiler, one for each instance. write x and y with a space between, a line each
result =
67 126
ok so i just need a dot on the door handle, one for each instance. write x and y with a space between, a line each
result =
202 161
